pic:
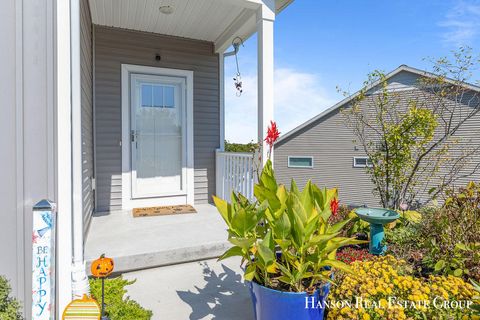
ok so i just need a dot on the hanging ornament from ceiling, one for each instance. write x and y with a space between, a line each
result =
238 79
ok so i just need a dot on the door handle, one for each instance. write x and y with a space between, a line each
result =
133 138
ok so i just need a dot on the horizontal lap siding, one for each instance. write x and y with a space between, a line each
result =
331 144
114 47
87 111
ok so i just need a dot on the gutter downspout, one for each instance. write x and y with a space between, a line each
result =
80 285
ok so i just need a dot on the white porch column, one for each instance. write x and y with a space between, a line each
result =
80 285
221 71
265 19
63 156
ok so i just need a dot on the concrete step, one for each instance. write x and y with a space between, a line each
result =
148 242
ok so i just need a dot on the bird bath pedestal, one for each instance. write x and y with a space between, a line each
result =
377 217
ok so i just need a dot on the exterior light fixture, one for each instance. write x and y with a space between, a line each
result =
166 9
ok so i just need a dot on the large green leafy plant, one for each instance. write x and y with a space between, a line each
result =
284 237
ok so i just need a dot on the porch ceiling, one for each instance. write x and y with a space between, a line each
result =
217 21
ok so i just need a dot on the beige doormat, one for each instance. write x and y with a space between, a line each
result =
162 211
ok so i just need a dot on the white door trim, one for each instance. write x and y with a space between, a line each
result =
127 201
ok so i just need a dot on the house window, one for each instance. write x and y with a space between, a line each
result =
158 96
361 162
300 162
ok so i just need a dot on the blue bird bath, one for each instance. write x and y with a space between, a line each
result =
269 304
377 217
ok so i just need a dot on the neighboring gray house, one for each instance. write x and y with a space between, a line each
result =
324 150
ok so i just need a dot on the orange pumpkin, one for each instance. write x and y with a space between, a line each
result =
102 267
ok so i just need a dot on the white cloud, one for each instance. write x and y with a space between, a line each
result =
298 97
462 23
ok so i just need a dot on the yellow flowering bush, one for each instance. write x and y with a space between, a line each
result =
384 288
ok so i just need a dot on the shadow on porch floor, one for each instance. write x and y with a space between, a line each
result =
196 290
147 242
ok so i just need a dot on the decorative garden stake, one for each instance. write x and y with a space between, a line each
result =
85 309
102 268
43 261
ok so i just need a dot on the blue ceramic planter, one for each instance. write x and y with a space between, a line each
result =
269 304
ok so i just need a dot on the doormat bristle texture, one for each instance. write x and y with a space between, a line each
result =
163 210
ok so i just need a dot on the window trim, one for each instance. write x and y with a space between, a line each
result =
355 165
301 167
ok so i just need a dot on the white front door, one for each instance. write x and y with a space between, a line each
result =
158 135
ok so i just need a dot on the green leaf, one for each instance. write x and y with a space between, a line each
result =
268 240
285 279
318 197
282 194
296 209
306 200
250 272
339 242
265 194
282 226
439 265
233 251
310 227
338 226
317 239
265 253
336 264
461 246
458 272
244 221
283 244
412 216
224 209
244 243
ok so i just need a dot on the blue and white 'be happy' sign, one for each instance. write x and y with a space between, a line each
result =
43 262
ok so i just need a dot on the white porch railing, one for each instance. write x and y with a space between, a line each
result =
235 171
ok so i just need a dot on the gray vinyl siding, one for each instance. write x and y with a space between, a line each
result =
114 47
86 55
27 131
332 146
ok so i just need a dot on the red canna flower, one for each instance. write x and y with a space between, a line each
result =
334 206
272 135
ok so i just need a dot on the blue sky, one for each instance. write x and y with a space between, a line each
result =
320 45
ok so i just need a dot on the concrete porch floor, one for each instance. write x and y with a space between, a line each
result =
147 242
197 290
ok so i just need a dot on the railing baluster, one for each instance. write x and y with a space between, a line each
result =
224 174
244 175
238 174
230 175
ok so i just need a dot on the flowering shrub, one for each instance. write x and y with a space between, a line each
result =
349 255
447 239
384 288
